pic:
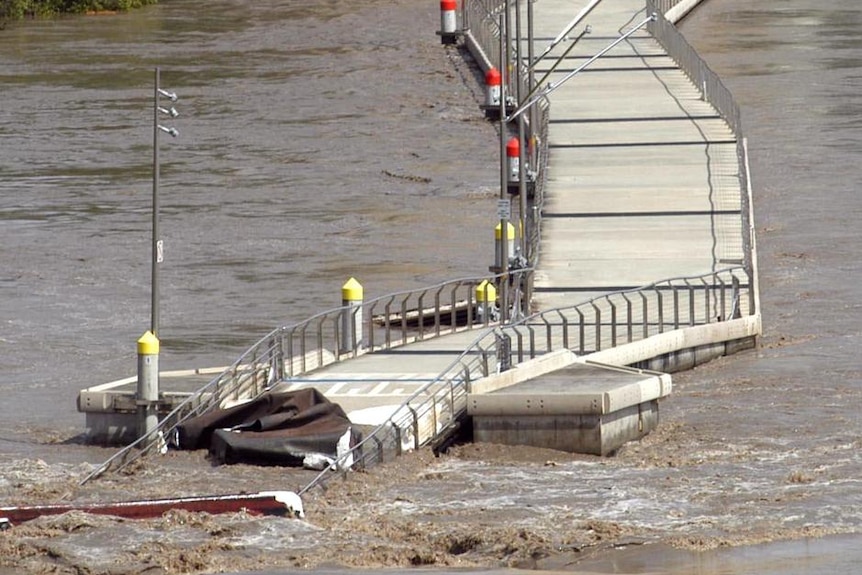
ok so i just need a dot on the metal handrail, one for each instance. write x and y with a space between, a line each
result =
581 328
482 38
707 81
294 350
482 31
661 6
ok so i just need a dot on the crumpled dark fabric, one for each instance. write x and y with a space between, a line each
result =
277 428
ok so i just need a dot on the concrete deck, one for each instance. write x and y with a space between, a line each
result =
386 378
583 408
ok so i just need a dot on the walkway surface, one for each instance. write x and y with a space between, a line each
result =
643 177
386 378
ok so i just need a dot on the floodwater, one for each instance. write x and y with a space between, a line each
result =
318 144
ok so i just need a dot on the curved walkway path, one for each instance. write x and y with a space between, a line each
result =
643 183
643 179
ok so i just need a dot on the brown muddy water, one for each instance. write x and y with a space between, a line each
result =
317 143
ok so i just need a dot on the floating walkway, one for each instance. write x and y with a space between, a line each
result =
645 180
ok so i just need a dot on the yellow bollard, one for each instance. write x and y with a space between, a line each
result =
486 302
498 244
148 384
351 320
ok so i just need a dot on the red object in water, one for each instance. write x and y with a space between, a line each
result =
263 503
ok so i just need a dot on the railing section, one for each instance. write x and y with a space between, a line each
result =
481 20
387 322
597 324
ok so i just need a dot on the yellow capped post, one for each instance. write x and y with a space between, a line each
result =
486 302
148 344
351 291
351 318
498 243
148 384
498 233
486 292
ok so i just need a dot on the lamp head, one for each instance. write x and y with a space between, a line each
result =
169 95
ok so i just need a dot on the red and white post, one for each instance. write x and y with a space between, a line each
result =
448 17
493 87
448 21
513 161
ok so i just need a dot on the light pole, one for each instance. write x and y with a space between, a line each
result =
147 397
158 245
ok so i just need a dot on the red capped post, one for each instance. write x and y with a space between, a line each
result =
448 21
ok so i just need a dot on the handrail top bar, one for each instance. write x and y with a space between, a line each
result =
552 86
461 281
585 11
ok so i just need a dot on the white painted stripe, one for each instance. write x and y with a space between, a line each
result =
335 387
378 388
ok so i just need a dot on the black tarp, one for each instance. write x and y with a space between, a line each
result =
277 428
